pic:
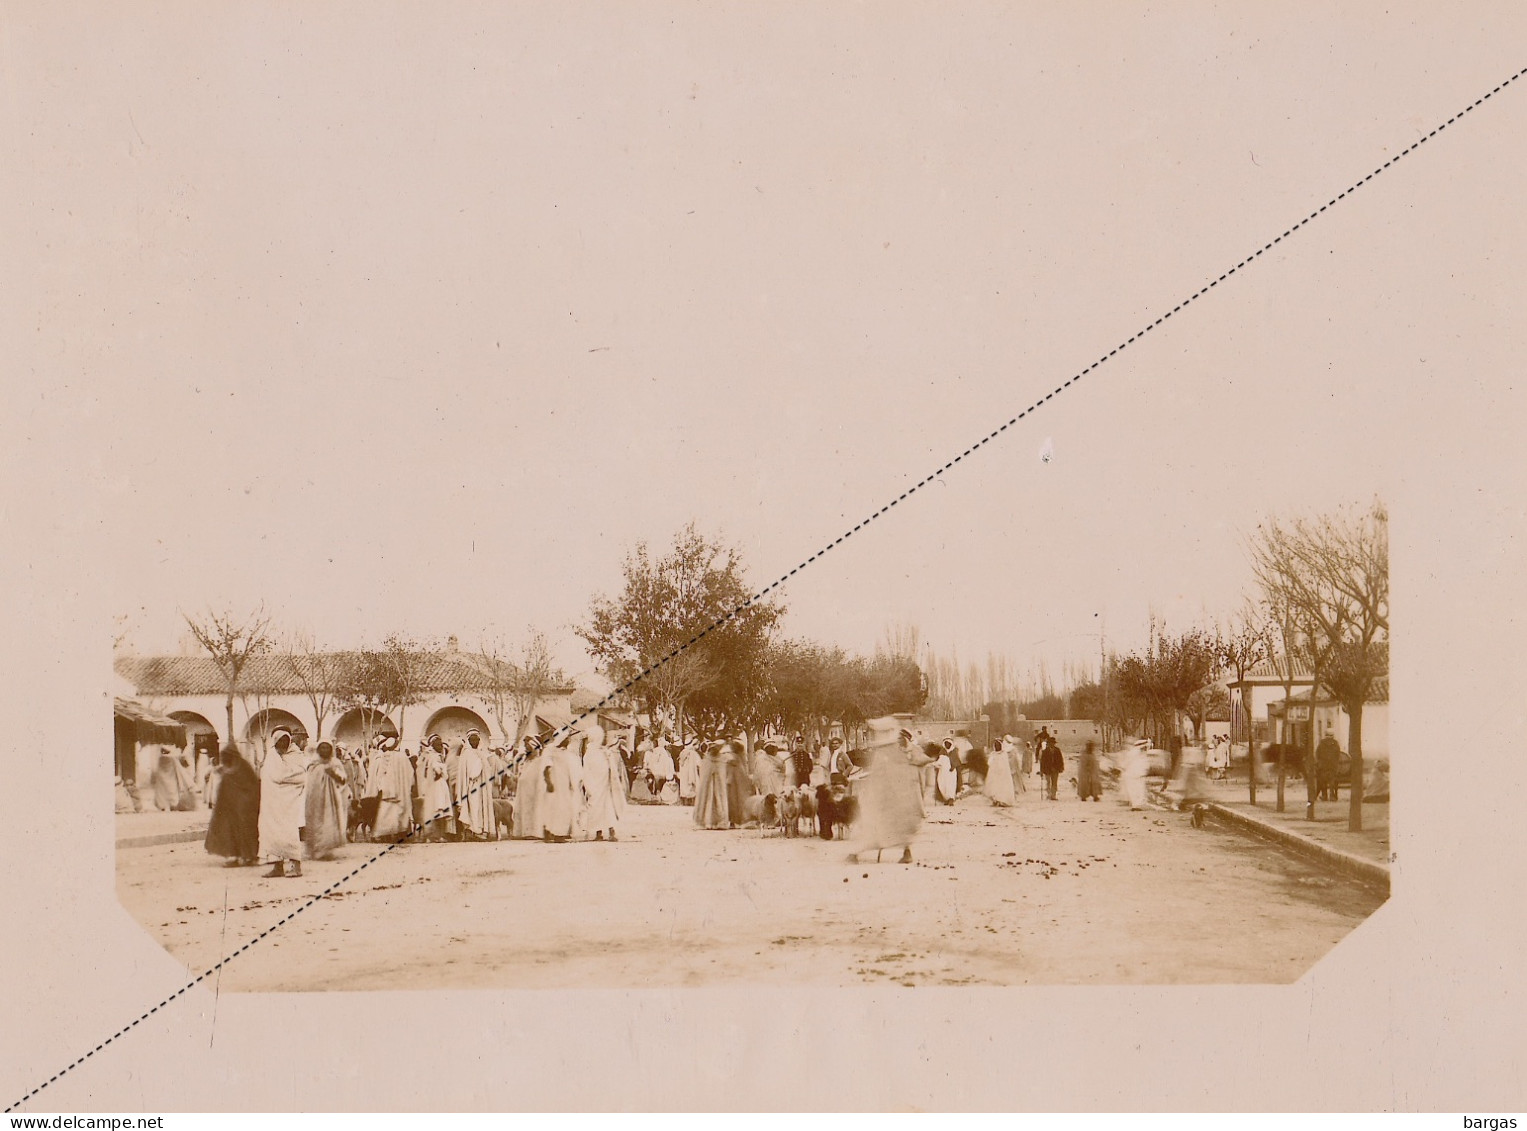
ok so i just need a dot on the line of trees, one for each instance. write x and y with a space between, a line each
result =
1325 595
685 640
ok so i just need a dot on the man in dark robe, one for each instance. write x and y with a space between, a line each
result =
234 830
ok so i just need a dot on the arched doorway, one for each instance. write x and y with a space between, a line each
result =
201 739
452 724
357 727
263 722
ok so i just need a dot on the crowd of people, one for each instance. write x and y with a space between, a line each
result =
296 803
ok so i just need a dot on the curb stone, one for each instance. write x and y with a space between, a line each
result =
184 836
1370 872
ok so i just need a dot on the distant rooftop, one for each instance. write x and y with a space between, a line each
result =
278 673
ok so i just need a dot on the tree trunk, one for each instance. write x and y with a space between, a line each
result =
1309 765
1355 751
1251 759
230 721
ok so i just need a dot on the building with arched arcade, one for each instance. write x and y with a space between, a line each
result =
455 692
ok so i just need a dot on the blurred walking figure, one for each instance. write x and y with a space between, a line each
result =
711 807
172 782
1136 765
1023 761
890 792
234 829
1188 784
739 783
283 781
689 773
1089 781
603 784
999 775
769 769
1052 763
946 779
324 818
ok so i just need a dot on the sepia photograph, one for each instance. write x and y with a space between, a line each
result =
721 558
710 783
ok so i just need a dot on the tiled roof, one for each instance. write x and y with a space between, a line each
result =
1271 673
1377 693
273 674
1273 670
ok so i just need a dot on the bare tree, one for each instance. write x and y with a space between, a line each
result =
232 641
379 681
902 641
1334 571
318 673
518 684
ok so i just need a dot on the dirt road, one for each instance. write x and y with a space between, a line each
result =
1042 893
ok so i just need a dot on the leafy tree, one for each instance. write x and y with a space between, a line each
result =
1161 683
685 632
1087 702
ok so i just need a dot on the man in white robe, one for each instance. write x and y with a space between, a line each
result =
439 812
474 790
529 789
283 781
392 780
559 803
603 787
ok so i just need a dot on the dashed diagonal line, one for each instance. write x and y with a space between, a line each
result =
568 728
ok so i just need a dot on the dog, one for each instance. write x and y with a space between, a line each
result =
1199 812
362 817
836 812
848 815
503 818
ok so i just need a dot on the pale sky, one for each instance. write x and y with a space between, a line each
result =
420 323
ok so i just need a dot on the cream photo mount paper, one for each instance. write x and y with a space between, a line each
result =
388 318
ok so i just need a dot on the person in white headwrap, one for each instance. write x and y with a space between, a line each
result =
658 763
603 784
1018 761
712 807
439 813
474 790
391 779
890 792
559 803
999 776
689 772
283 781
529 788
